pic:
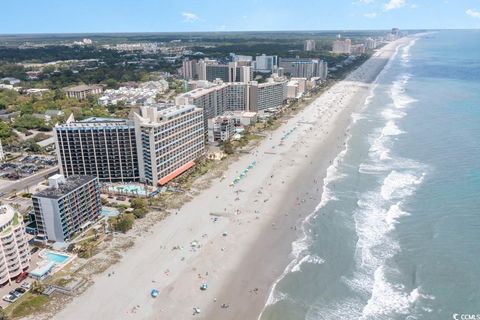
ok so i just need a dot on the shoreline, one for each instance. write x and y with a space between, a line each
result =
250 244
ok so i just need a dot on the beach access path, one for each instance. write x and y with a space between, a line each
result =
236 239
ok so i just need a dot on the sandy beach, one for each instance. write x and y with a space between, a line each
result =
242 236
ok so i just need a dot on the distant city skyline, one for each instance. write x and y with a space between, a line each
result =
93 16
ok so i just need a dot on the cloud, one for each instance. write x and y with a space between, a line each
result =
473 13
414 6
366 1
190 17
370 15
394 4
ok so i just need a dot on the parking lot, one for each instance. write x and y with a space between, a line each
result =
9 287
22 167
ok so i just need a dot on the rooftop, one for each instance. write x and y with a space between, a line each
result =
95 122
71 183
6 215
81 88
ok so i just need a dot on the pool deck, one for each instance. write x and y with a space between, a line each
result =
57 266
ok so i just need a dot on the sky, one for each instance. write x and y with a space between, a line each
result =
81 16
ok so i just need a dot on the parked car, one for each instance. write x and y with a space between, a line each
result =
34 250
26 285
22 276
15 294
9 298
20 290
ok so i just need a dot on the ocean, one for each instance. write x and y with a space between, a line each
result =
397 232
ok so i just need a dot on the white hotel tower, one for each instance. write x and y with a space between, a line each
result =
14 253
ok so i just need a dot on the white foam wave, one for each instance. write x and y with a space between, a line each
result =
357 117
276 296
391 114
391 129
398 163
400 184
405 57
397 92
388 298
312 259
393 214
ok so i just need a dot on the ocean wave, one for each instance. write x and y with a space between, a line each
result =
388 298
405 57
357 117
312 259
391 114
397 92
400 184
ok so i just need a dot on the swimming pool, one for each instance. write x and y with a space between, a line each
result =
109 212
129 188
56 258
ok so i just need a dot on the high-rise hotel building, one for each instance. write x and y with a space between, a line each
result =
101 147
270 94
14 251
169 141
68 206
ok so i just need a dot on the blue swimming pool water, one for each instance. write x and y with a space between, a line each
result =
55 257
109 212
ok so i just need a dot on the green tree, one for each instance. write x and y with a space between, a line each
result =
139 213
37 287
227 147
5 130
138 203
125 222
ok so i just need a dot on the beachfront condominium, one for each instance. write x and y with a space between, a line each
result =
342 46
102 147
267 95
169 141
212 99
70 205
217 98
304 67
220 97
14 251
309 45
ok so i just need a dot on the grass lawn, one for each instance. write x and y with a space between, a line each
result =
26 305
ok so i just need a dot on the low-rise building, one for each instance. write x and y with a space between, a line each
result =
70 205
221 128
145 93
10 80
296 87
242 118
81 92
357 48
14 251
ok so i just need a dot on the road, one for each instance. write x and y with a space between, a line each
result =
28 182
